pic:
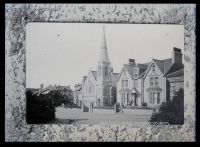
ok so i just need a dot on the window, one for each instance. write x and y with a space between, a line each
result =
126 83
153 68
156 80
106 71
122 97
158 98
173 88
90 89
135 72
154 97
124 72
151 81
150 97
135 75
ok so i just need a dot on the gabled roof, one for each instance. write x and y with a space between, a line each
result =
134 90
94 74
178 73
129 68
142 74
160 64
115 76
174 68
166 66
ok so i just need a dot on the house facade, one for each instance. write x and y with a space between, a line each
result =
99 86
129 85
78 94
64 91
150 84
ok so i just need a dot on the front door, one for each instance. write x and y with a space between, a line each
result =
135 99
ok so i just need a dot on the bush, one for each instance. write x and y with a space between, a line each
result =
171 112
85 108
38 109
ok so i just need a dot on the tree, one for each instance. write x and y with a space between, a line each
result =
172 112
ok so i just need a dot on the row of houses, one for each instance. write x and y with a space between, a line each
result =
151 83
138 84
49 91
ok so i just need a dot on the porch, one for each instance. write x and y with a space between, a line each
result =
129 98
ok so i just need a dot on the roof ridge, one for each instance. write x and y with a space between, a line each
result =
158 60
175 72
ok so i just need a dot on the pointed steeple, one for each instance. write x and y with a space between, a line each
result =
103 45
104 52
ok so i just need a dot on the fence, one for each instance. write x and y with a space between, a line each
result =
98 104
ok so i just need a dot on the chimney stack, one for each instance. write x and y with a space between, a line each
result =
176 56
131 62
41 87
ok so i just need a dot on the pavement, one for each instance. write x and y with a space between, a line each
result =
76 116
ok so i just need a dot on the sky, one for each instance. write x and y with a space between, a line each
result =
62 53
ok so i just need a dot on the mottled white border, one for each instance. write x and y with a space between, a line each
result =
18 15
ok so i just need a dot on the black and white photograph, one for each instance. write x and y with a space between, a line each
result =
104 73
100 72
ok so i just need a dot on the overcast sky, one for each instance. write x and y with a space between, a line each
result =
62 53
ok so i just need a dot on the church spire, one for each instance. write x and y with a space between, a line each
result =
104 52
103 45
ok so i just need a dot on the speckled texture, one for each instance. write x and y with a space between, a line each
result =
18 15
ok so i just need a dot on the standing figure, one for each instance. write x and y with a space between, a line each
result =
83 107
92 107
115 108
122 106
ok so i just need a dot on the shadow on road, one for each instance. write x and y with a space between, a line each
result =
65 121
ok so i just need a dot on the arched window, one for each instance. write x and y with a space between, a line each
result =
106 71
